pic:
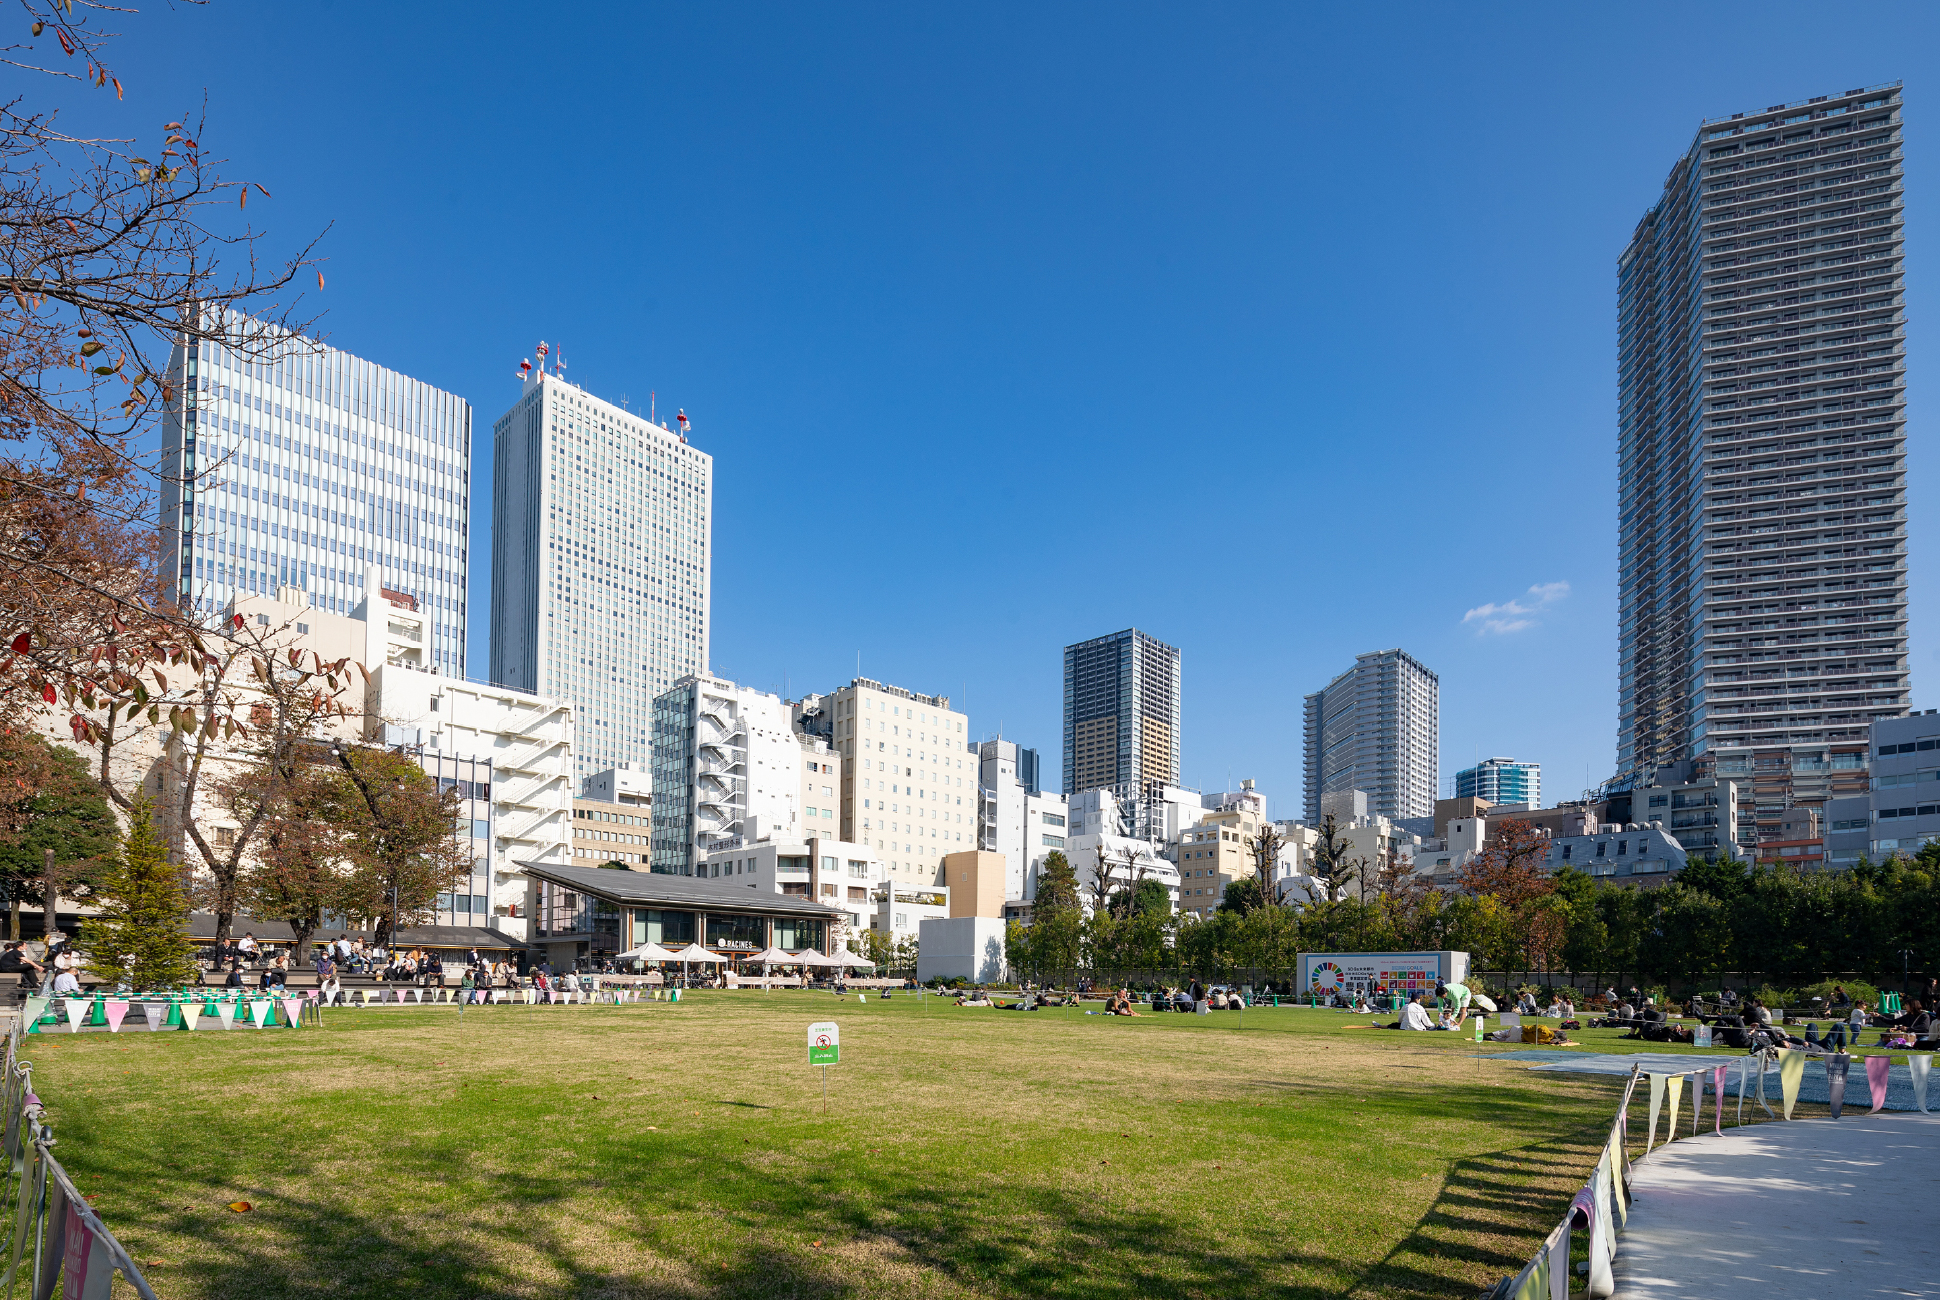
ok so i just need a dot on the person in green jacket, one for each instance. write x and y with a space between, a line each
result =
1456 996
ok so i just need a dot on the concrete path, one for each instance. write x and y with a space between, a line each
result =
1812 1208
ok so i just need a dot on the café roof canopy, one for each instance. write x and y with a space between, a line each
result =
689 893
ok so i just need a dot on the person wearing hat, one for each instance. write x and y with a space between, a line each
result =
1456 996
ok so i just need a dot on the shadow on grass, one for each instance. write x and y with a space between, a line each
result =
608 1211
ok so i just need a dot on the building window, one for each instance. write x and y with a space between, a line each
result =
1053 841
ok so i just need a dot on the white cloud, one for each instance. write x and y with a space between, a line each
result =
1515 615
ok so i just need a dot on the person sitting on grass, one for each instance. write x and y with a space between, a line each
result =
1413 1016
1120 1004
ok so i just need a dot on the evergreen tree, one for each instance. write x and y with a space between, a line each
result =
142 933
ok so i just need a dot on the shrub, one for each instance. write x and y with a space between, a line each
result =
1857 990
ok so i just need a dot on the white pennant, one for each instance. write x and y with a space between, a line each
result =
75 1009
157 1013
190 1014
259 1011
227 1010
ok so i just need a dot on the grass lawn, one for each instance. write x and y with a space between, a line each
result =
680 1150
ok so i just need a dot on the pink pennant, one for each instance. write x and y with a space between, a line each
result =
116 1010
1878 1075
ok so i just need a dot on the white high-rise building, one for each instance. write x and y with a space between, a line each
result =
600 551
1377 728
730 770
299 465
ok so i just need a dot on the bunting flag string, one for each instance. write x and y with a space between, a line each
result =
157 1014
1920 1067
1878 1077
117 1010
293 1011
1791 1069
36 1008
259 1011
190 1014
1676 1087
1656 1104
75 1009
1836 1068
226 1011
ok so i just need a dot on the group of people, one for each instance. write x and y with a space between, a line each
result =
60 963
1454 1002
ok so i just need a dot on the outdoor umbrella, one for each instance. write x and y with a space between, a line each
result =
771 957
694 952
649 952
850 959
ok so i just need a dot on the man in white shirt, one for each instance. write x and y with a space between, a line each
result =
1415 1016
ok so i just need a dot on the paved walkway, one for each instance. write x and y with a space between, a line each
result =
1812 1208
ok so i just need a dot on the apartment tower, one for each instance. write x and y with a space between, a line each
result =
1761 453
1376 728
1122 700
1501 780
600 550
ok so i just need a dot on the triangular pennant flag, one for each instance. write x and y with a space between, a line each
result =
35 1009
1920 1067
259 1010
1836 1067
293 1011
1656 1104
157 1013
1717 1091
1791 1069
1676 1086
227 1011
1878 1077
116 1010
190 1014
74 1009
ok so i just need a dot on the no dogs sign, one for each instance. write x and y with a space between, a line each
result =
824 1043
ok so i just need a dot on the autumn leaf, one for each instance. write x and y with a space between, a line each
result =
241 1207
23 643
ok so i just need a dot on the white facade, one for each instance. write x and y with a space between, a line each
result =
1022 823
305 465
600 563
507 752
620 785
909 779
836 874
1376 727
964 947
729 768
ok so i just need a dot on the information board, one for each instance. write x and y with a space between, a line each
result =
824 1043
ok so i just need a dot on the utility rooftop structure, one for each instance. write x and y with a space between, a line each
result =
1761 451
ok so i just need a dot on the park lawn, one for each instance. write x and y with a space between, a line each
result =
680 1150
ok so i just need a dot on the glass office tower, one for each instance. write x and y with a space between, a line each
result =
1761 453
301 464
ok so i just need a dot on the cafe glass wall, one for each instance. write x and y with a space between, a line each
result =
668 929
795 934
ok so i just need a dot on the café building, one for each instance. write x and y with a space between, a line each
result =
591 913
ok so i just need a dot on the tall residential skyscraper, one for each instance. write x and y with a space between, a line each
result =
1376 728
1761 452
600 548
1501 780
299 464
1122 700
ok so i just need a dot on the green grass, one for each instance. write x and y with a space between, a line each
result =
680 1150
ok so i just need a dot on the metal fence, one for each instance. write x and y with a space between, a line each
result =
59 1245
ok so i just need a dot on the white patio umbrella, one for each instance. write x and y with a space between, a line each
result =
813 958
773 957
694 952
649 952
863 963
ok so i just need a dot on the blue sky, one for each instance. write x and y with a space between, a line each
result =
1283 333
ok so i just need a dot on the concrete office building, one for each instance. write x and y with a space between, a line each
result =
507 753
1900 814
1016 818
1761 452
908 776
1502 780
600 562
729 769
292 463
1122 708
1377 728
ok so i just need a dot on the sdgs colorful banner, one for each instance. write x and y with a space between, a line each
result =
1401 973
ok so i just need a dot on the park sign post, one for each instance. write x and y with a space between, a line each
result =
824 1049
